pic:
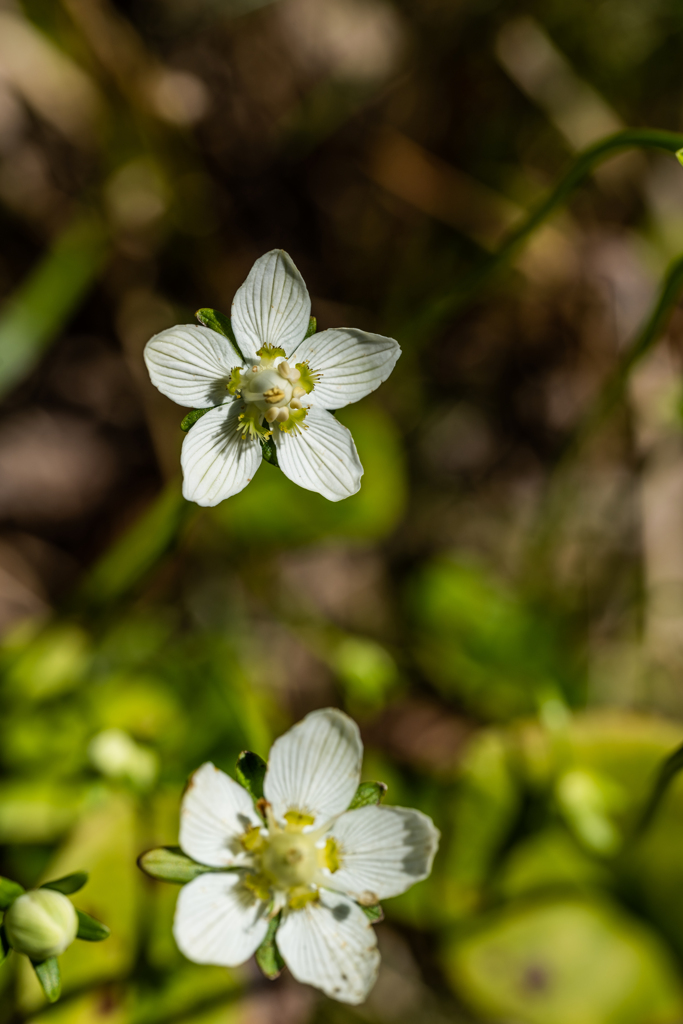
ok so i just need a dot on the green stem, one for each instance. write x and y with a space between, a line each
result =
583 166
667 773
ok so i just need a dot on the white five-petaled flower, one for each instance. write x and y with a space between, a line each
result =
315 861
284 388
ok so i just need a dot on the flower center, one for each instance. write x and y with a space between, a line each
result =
271 394
267 388
291 859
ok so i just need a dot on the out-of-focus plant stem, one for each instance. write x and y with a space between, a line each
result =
36 312
586 162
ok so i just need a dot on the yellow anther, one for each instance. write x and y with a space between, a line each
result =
329 856
299 897
252 840
259 885
297 819
273 395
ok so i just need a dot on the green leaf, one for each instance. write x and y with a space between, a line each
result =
69 883
368 793
192 417
268 955
50 978
269 451
251 770
218 322
138 551
668 771
34 315
4 945
375 913
169 864
679 156
90 929
9 891
312 327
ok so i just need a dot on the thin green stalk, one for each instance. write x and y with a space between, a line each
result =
585 163
668 771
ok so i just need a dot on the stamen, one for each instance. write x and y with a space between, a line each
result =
273 395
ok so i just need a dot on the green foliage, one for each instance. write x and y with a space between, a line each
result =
268 955
479 640
191 418
368 793
544 955
90 929
36 313
9 891
170 864
50 978
217 321
69 883
251 771
273 511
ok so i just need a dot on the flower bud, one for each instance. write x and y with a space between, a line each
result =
41 923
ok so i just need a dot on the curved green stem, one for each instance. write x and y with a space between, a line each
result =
585 163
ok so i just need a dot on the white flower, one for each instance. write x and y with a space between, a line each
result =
285 388
314 861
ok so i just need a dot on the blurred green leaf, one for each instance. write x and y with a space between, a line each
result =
90 929
304 516
269 451
477 639
536 963
366 669
375 914
170 864
69 883
251 771
268 955
191 418
486 805
50 978
367 793
549 859
48 663
138 551
35 314
9 891
220 322
4 945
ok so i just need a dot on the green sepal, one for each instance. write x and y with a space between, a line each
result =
192 417
375 913
9 891
251 771
269 451
268 955
679 156
50 978
68 884
90 929
218 322
312 328
4 945
366 794
170 864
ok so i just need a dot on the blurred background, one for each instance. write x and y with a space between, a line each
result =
500 607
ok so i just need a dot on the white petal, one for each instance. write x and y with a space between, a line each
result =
315 767
191 365
383 851
352 363
332 945
218 920
321 458
214 813
272 307
217 461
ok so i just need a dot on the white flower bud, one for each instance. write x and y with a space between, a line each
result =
41 923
